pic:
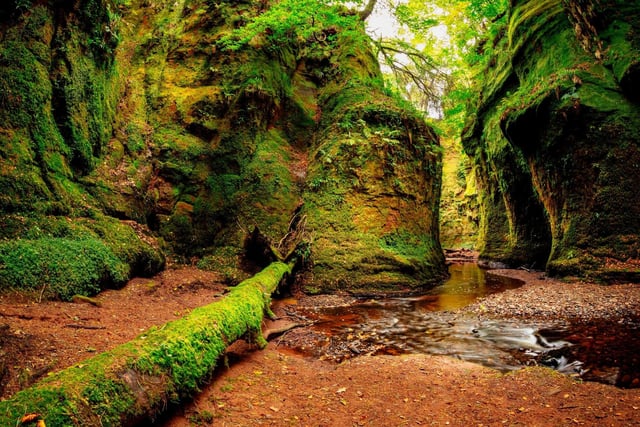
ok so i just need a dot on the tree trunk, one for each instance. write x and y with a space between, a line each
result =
136 380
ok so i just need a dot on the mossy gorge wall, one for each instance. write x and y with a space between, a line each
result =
128 131
554 135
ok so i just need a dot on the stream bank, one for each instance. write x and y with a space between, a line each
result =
278 387
438 389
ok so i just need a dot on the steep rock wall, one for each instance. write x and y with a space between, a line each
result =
296 138
59 87
556 136
136 118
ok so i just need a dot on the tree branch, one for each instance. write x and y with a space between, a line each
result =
368 9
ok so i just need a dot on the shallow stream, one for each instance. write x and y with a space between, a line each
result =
604 352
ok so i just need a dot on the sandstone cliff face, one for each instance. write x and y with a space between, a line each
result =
556 139
59 88
125 116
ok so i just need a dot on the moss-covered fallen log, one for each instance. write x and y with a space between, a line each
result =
138 379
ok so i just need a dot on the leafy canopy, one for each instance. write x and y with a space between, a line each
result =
288 20
450 54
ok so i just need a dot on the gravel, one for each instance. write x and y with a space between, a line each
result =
542 298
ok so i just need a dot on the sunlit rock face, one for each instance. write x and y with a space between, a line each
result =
556 139
139 117
372 193
273 137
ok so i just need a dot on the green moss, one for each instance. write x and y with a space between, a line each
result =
59 267
58 257
110 399
536 130
142 258
372 155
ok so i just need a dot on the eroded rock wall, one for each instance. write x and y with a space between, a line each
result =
59 89
130 115
556 135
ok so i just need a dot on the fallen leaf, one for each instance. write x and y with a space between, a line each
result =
29 418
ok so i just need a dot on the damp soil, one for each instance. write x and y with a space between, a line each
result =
280 386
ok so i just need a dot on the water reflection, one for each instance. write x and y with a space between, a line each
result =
427 324
467 282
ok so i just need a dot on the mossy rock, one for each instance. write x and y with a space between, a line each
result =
560 135
57 257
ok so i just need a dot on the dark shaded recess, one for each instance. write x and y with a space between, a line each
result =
630 82
153 222
529 220
596 182
230 155
314 70
525 135
202 131
208 108
254 108
61 109
95 21
258 249
525 131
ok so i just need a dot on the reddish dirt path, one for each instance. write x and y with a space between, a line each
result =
276 389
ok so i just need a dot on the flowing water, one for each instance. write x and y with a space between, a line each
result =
428 324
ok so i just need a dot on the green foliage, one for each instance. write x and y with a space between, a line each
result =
22 4
290 21
59 267
541 11
417 17
100 20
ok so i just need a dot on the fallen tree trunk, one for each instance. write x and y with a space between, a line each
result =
137 380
